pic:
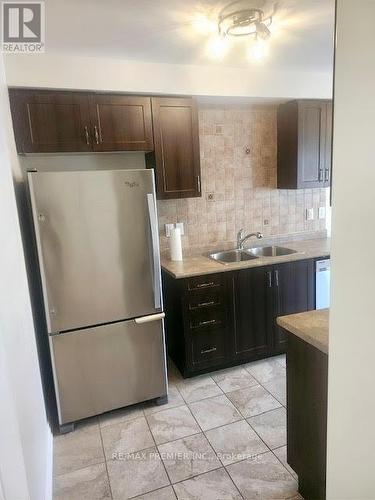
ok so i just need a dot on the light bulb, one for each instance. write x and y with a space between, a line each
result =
203 24
258 50
217 46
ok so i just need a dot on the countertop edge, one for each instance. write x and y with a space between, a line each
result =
208 266
288 324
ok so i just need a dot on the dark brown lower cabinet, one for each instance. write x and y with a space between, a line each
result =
251 297
307 382
218 320
294 289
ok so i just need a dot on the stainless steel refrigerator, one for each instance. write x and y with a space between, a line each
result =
98 249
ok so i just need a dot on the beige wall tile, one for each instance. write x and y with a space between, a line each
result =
243 184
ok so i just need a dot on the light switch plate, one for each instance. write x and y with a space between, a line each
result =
322 212
309 214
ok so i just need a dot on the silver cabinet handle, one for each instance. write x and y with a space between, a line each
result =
321 175
148 319
326 175
202 304
277 277
208 322
87 135
199 183
269 276
204 285
96 134
155 249
210 349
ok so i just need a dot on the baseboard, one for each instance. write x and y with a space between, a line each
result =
49 467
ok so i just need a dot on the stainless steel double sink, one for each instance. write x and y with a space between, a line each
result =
236 255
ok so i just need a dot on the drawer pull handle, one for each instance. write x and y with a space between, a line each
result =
202 304
208 322
204 285
207 351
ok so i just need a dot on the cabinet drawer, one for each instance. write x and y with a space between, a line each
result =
204 300
204 282
206 319
208 346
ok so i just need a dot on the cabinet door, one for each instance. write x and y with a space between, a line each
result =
252 291
50 121
293 293
121 123
176 158
328 149
312 143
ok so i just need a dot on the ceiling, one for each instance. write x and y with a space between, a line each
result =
171 31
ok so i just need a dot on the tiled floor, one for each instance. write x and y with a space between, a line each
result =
221 436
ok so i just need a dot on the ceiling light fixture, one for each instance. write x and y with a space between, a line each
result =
244 18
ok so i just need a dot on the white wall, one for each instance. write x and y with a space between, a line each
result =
351 423
25 437
59 71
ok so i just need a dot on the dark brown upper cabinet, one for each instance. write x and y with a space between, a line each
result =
176 157
304 140
121 123
46 121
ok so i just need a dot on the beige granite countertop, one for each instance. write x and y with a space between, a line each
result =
311 326
201 264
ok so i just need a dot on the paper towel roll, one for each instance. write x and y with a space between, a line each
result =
175 244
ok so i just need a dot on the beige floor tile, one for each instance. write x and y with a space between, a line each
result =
166 493
174 374
277 387
126 437
175 423
89 483
188 457
138 474
78 449
281 455
232 379
198 388
281 360
265 370
215 485
214 412
174 399
121 415
253 400
263 478
271 427
235 442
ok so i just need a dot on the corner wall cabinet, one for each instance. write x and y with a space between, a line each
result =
53 121
218 320
304 143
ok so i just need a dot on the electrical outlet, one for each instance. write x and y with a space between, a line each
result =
309 214
168 229
322 212
181 226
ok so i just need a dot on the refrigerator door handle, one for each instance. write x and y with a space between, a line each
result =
148 319
155 249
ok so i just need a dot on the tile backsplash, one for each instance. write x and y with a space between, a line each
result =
238 148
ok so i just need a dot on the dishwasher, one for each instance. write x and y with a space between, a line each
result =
322 283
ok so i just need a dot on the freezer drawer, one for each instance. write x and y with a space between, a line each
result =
107 367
